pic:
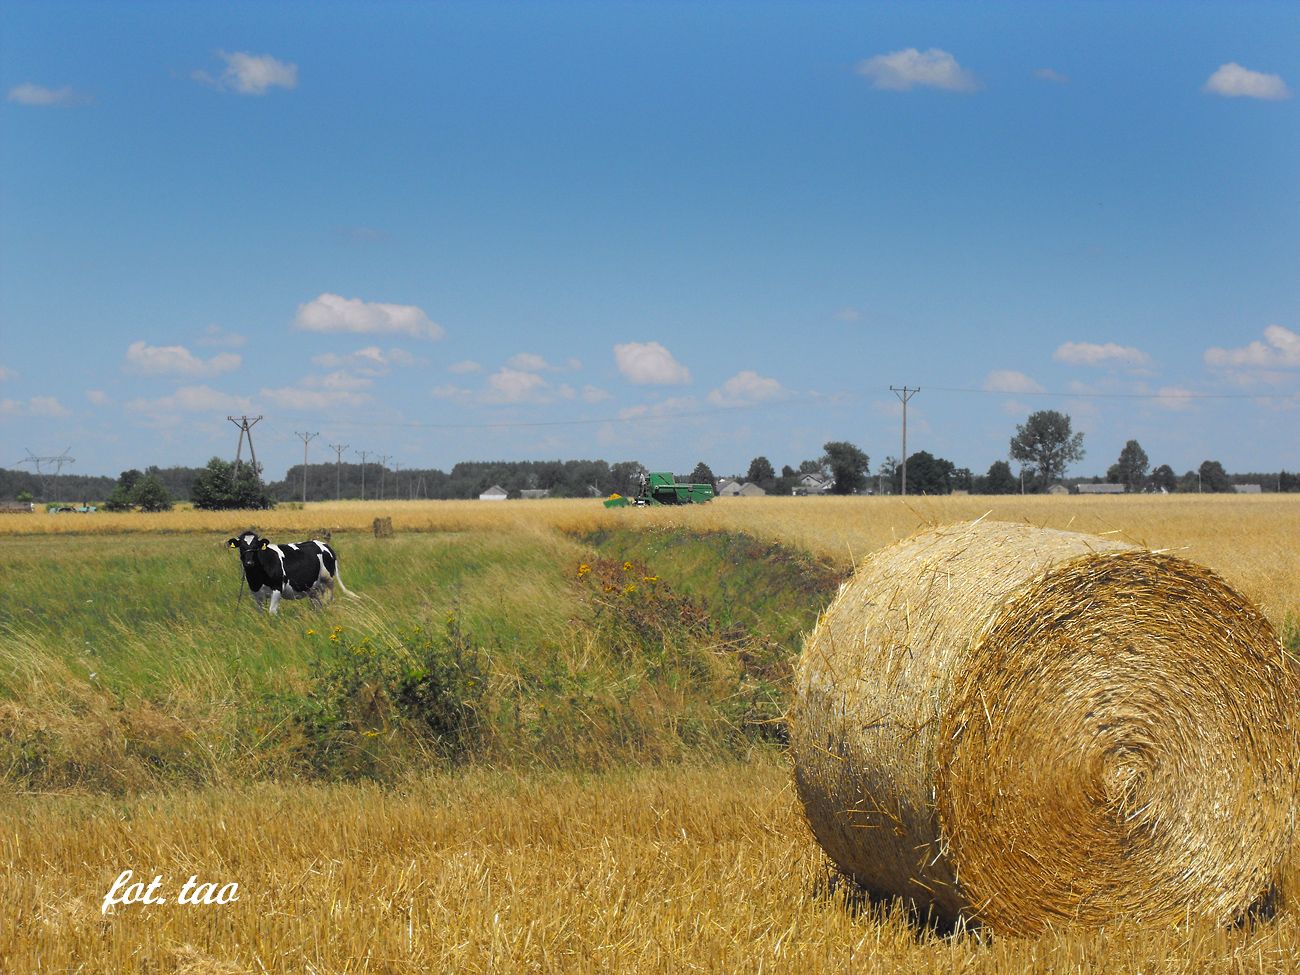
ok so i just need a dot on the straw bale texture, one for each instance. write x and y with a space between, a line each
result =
1021 727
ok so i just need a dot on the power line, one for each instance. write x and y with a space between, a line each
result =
904 395
1077 395
306 439
338 468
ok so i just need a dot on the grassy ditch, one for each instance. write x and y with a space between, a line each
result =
130 662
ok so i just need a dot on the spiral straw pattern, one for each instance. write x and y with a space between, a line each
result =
1024 727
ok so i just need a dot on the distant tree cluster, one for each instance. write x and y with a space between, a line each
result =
1045 446
135 490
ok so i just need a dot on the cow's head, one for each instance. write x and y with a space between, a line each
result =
249 545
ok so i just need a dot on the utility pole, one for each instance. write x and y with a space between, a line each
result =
338 449
306 439
397 481
904 395
363 454
383 464
245 427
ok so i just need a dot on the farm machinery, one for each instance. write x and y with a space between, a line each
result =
661 487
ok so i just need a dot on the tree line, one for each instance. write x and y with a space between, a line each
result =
1043 447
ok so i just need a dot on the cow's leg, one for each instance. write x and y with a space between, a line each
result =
275 601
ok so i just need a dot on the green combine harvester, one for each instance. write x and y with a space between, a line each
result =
662 487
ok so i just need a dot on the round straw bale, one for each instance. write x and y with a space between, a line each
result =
1021 727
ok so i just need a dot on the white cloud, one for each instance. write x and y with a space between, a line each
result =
1279 350
1011 381
176 360
6 374
593 394
47 406
214 336
848 314
746 388
508 385
1094 354
191 399
370 361
98 397
333 313
649 363
301 398
527 361
1013 407
464 368
1231 80
41 97
1174 398
910 68
1050 74
251 74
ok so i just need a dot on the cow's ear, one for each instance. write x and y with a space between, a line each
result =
231 543
265 543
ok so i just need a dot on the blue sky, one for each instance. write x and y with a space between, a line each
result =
656 231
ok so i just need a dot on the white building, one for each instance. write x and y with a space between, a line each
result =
495 493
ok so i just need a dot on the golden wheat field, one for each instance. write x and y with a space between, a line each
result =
698 866
1253 541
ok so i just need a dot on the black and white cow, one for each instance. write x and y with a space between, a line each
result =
288 571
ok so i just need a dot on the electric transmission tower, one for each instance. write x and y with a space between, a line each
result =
306 439
904 395
245 428
37 462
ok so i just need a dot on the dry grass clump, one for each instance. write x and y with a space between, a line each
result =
1027 727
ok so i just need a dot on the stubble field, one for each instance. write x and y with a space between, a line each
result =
598 785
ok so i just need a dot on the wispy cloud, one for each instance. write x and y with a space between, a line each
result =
1095 354
305 398
38 96
1231 80
650 364
250 74
1051 75
508 385
214 336
6 374
745 389
176 360
1174 398
909 68
334 313
97 397
370 361
1011 381
668 407
36 406
191 399
465 367
1279 350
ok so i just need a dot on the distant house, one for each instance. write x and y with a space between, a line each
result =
727 488
1247 489
1058 489
533 494
495 493
723 482
1100 489
811 483
751 491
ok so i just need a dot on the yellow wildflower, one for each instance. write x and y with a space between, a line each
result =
627 566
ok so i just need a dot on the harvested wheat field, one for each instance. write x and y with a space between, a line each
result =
1023 727
668 870
549 738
